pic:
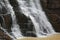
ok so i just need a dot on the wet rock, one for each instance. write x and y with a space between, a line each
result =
52 9
7 22
3 36
3 9
24 22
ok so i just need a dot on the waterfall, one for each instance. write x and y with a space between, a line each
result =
33 10
15 27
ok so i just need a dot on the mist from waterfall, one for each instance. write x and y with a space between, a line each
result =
33 10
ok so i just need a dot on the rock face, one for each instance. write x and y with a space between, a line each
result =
52 9
3 36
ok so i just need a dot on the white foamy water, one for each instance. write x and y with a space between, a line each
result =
15 27
33 9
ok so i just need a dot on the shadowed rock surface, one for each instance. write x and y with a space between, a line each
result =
52 9
3 36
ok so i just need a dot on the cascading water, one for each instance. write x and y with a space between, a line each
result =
15 27
33 9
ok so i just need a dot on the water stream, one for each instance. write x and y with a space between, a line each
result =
33 10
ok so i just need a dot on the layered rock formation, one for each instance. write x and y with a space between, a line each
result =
52 9
4 36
